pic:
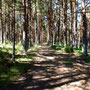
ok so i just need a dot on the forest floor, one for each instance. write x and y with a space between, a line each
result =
54 70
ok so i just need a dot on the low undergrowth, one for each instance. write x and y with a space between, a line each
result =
10 71
57 47
68 49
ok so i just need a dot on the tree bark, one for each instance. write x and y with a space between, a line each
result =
71 24
75 23
84 47
25 31
1 29
65 21
13 33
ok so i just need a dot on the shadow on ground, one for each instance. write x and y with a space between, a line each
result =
54 71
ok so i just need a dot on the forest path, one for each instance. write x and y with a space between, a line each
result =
54 70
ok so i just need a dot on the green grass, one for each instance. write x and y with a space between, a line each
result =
9 71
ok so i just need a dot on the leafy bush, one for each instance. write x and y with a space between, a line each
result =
68 49
53 46
78 50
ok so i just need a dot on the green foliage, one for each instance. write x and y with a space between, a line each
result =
68 49
9 71
78 50
88 49
57 47
87 58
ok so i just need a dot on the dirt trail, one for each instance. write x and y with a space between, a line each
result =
53 70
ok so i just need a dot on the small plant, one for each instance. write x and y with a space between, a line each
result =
57 47
68 49
78 50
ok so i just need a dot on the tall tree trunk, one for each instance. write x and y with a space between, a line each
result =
80 32
13 33
1 29
8 21
25 31
59 23
75 23
50 21
38 24
84 47
36 37
30 21
65 21
41 32
71 24
5 26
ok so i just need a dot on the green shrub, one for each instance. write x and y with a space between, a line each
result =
68 49
56 47
78 50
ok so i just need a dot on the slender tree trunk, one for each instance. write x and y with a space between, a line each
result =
30 21
1 29
25 31
5 25
8 21
13 33
36 37
21 30
59 24
65 21
47 25
50 21
75 23
84 48
41 32
71 24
